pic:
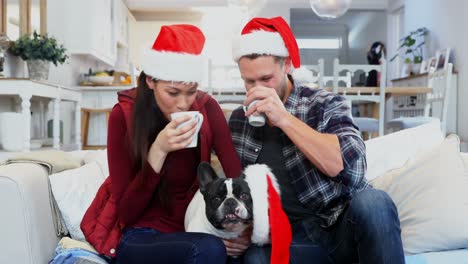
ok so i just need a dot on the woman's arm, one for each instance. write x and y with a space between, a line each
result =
132 197
222 141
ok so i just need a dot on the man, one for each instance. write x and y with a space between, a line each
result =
315 151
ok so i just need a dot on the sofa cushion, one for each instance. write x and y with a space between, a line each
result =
394 150
74 190
99 156
430 192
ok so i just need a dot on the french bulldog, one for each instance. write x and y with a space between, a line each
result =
222 207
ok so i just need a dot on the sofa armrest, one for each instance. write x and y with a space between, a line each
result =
26 225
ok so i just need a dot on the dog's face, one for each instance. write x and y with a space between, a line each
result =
228 201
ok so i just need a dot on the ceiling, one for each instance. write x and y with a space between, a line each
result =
162 4
185 10
140 5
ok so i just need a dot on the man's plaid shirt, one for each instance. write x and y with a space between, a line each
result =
327 113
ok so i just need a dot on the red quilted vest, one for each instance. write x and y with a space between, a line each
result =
100 225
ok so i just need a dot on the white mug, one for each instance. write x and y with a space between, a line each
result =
195 115
255 120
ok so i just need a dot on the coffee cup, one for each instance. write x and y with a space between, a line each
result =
255 120
195 116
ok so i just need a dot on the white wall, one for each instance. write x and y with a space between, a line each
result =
143 35
359 27
447 21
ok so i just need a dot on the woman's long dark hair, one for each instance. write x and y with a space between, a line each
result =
148 120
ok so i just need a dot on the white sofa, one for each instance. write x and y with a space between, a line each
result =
27 230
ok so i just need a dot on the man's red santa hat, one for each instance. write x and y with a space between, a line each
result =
270 224
272 36
176 54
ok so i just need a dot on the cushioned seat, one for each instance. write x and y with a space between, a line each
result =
409 122
368 124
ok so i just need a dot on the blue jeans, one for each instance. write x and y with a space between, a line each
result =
146 245
368 231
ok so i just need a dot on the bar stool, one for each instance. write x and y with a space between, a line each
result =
85 114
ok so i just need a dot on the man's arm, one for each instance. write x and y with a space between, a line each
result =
323 150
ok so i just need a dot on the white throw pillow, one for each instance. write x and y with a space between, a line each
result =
74 190
99 156
394 150
430 192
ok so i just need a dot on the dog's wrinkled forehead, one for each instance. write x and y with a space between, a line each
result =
224 187
239 185
217 187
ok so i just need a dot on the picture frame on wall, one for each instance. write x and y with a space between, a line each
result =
444 56
432 63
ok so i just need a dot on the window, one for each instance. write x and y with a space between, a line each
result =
331 43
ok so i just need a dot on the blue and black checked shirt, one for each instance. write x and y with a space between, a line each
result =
326 113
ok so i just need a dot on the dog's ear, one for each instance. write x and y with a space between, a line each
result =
206 174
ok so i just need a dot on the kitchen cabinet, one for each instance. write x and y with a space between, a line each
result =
121 22
88 27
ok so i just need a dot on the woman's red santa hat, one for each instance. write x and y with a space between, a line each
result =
272 36
270 224
176 54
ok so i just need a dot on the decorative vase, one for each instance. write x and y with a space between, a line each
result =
405 70
38 69
416 68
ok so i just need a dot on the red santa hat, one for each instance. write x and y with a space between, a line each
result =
272 36
270 225
176 54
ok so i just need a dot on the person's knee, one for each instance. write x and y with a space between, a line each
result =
211 245
256 255
373 206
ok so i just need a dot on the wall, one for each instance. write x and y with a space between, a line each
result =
359 27
447 21
143 34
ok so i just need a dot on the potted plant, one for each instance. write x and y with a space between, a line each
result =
39 51
413 44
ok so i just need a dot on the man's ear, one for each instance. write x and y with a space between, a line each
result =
151 84
206 174
287 65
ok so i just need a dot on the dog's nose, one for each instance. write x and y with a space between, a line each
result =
230 202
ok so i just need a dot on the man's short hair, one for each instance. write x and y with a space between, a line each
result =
254 56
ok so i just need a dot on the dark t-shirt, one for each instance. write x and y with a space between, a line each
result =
272 155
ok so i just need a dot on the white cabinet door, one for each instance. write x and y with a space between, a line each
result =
120 12
90 29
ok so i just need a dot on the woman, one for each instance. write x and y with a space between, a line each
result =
138 213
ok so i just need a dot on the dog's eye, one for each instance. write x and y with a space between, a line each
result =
217 199
244 196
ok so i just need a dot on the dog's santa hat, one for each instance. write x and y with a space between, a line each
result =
270 221
176 54
272 36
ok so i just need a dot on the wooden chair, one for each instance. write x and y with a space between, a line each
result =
367 124
85 115
346 80
440 81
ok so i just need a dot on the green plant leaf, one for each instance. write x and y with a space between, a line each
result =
39 47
